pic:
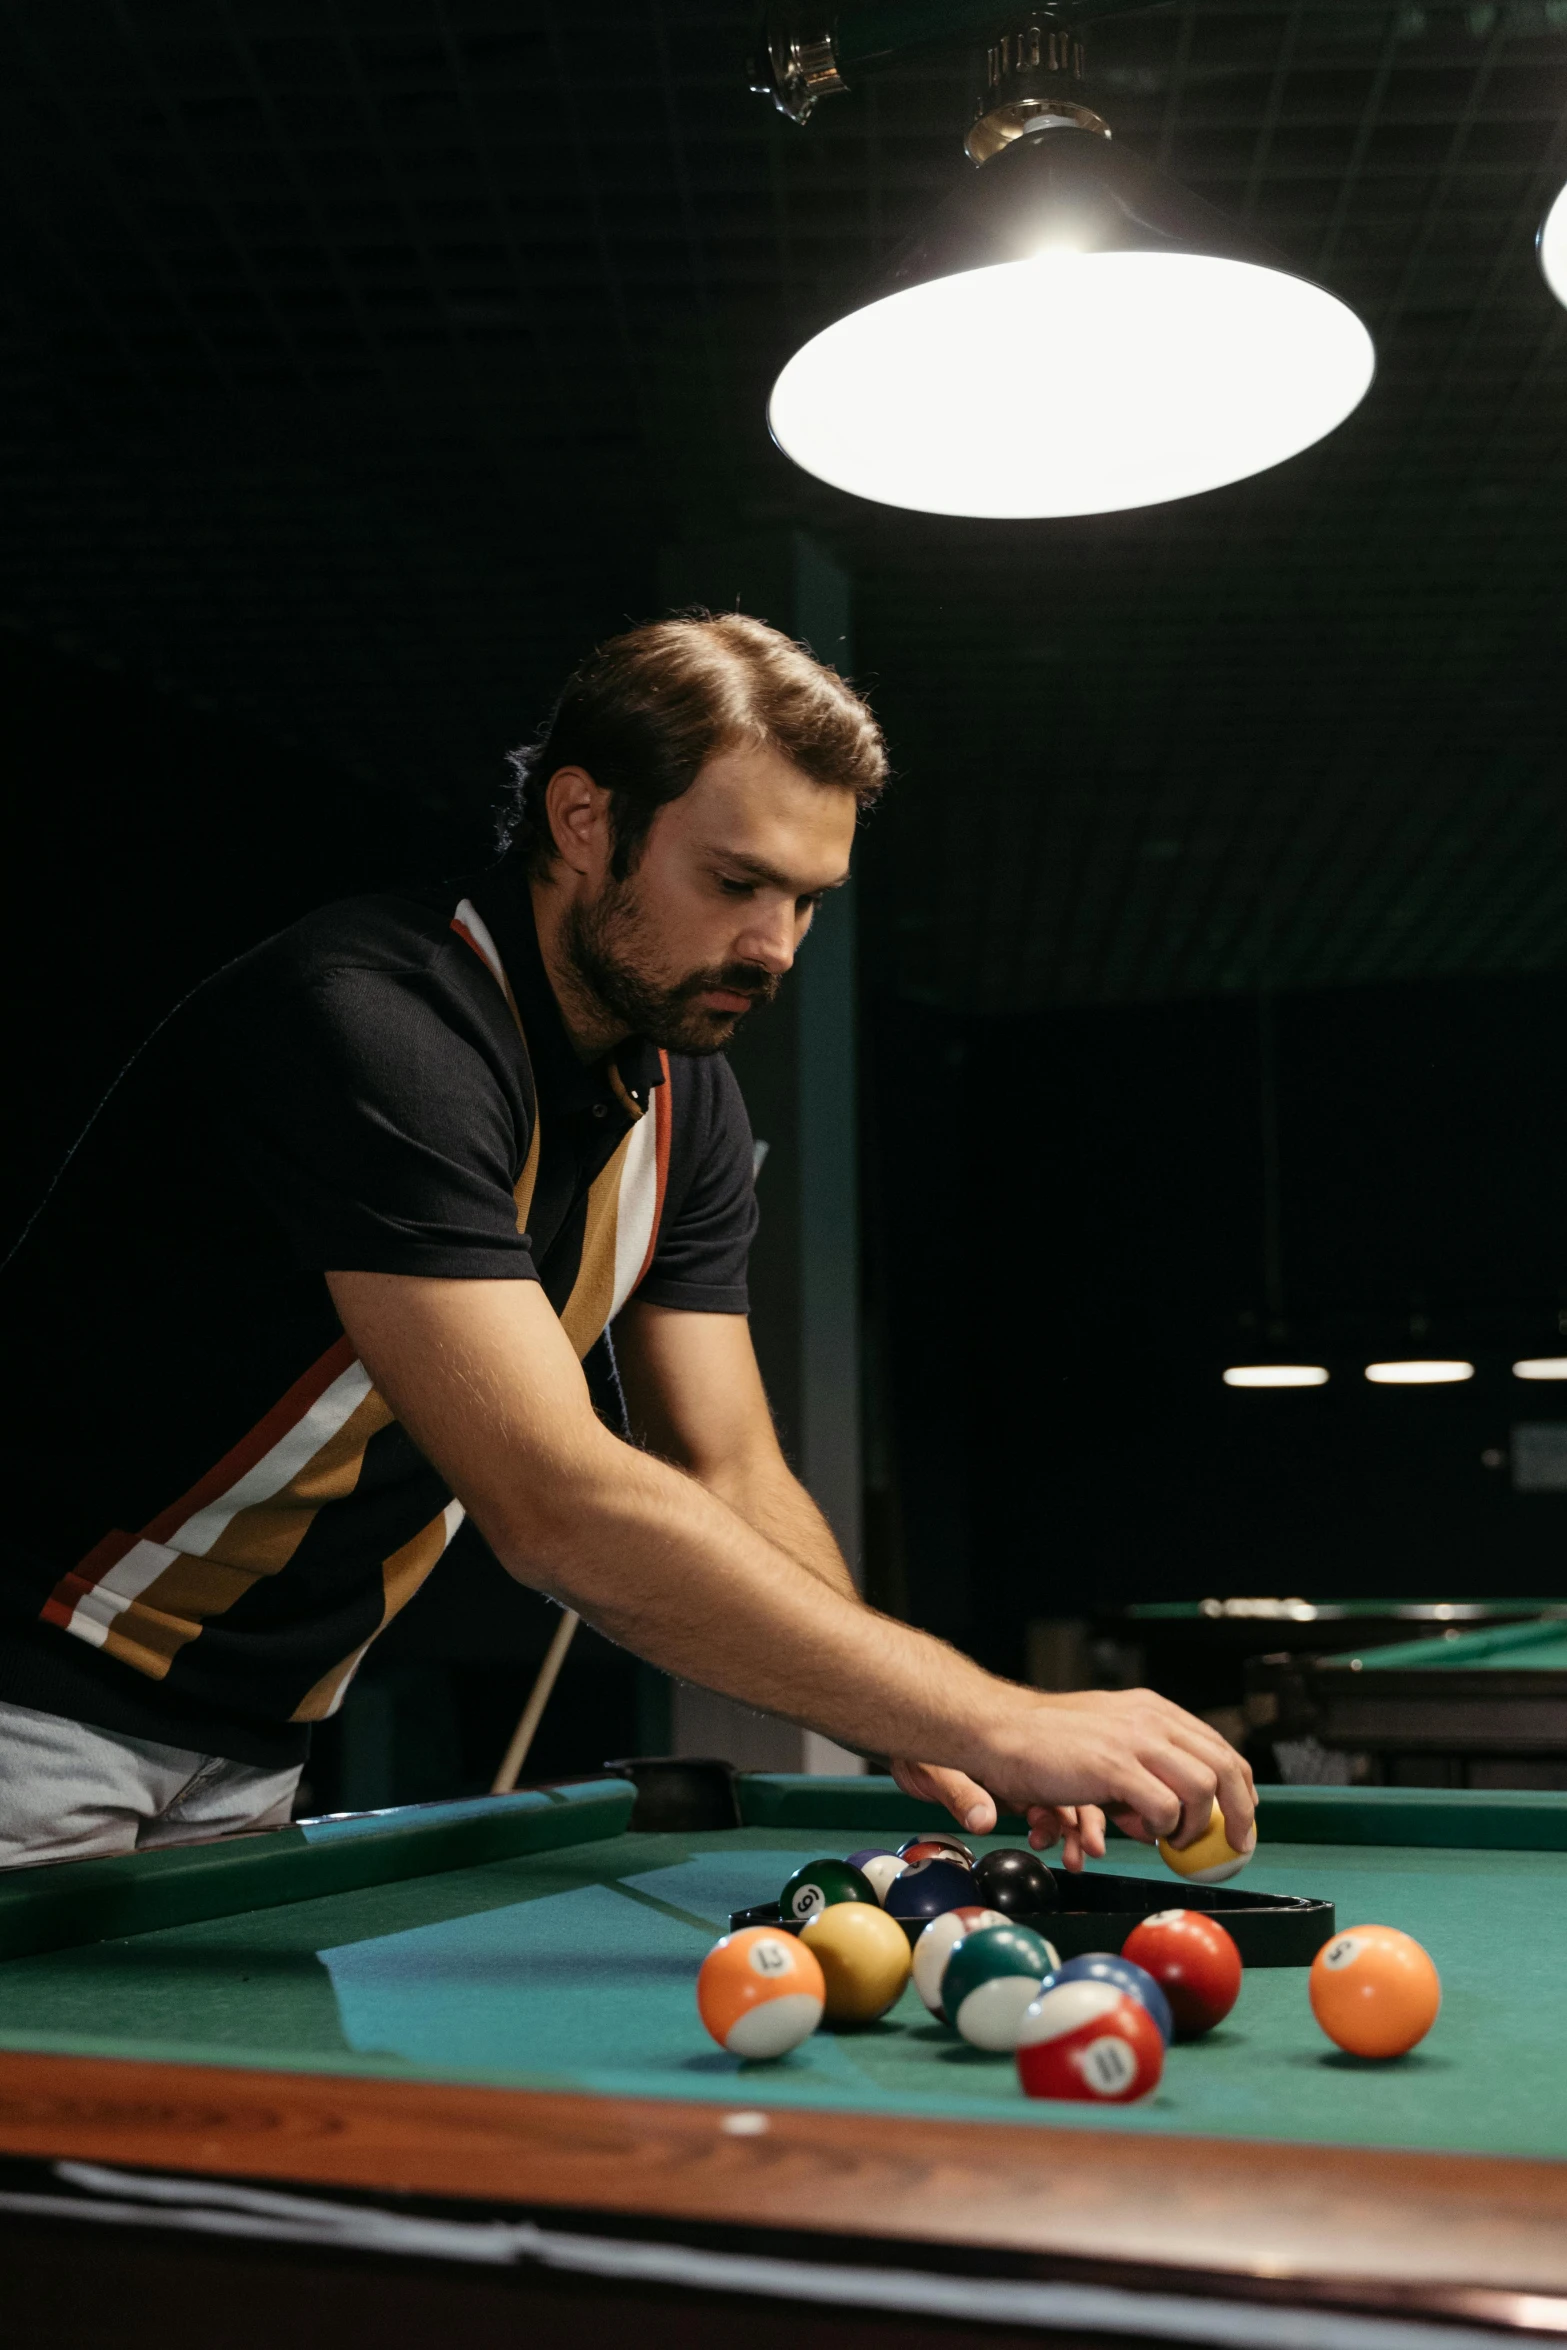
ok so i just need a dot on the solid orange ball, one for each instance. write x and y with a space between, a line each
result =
1374 1991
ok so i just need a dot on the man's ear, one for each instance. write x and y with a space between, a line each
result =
578 813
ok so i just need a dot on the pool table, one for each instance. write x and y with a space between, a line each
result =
1196 1650
1476 1708
436 2075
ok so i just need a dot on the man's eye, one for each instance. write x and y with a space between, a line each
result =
735 889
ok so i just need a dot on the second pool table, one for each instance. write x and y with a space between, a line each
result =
1474 1709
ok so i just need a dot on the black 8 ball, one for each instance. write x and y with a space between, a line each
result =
1016 1882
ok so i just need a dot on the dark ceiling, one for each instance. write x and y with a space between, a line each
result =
362 355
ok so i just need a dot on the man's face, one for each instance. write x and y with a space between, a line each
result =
711 917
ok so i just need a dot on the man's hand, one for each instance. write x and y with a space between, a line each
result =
1136 1751
1150 1743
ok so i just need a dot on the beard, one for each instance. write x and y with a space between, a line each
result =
610 946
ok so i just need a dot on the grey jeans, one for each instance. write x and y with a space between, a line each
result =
70 1792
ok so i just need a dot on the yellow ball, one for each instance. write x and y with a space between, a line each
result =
864 1956
1212 1858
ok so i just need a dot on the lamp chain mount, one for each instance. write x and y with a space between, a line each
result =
797 69
1032 69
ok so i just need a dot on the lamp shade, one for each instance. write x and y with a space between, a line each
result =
1553 247
1074 333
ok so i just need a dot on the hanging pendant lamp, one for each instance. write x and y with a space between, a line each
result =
1073 333
1552 247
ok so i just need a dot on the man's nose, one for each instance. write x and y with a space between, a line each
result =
770 940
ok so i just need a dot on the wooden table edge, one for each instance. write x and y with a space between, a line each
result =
1439 2231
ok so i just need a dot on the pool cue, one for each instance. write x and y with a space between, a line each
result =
538 1698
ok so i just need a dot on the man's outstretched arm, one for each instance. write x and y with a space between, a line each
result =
484 1379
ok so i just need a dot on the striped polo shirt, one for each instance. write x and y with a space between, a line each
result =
211 1511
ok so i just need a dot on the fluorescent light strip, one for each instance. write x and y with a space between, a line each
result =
1276 1375
1418 1374
1542 1367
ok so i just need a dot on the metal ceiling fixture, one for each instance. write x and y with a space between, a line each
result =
1073 332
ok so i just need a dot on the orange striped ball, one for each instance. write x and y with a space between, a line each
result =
761 1992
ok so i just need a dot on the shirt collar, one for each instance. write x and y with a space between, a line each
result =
504 899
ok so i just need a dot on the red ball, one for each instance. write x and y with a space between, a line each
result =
1194 1962
1091 2043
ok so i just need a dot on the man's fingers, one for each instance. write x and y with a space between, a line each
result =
1233 1783
1045 1821
1132 1824
1091 1830
1157 1799
967 1801
962 1796
1079 1826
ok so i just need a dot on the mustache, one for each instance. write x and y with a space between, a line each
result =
747 979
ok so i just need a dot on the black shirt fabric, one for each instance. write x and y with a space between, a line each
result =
213 1512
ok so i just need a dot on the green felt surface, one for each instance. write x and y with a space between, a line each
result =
1507 1648
575 1968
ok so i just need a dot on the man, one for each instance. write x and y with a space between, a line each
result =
327 1267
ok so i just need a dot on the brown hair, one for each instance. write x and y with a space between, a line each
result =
645 711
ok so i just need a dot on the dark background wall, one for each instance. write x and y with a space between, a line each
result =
1072 1227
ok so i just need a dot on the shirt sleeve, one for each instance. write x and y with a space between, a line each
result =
378 1125
710 1213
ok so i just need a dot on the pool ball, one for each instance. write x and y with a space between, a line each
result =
1212 1858
878 1867
1090 2043
934 1947
760 1992
1194 1962
864 1959
1017 1882
926 1888
1101 1966
991 1976
935 1847
1374 1991
818 1885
